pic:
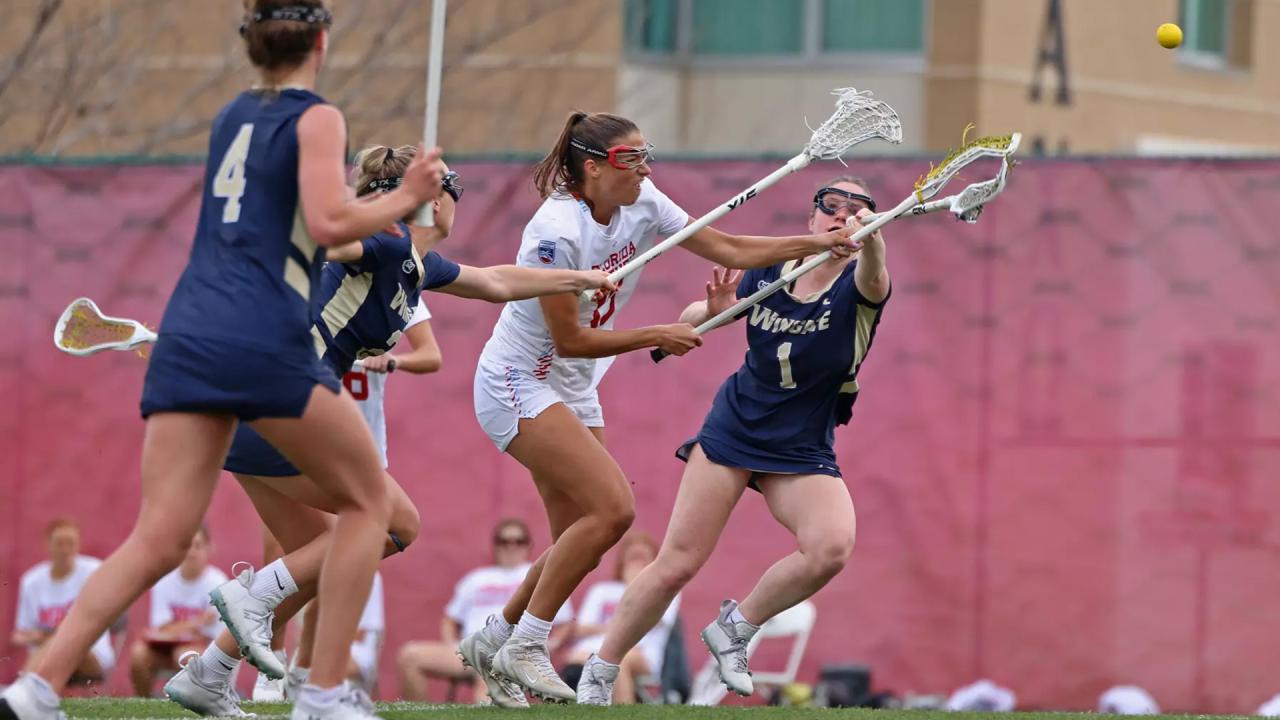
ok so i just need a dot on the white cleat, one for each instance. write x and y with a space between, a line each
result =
267 690
477 651
727 642
249 620
353 705
22 701
194 690
293 682
596 685
527 664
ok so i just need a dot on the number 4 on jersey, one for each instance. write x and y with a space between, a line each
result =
228 183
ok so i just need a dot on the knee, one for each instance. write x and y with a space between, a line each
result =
408 657
828 556
160 549
139 655
674 570
615 518
406 524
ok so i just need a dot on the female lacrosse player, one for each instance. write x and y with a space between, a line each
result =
771 428
235 344
535 386
368 291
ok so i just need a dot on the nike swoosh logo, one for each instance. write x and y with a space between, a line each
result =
276 575
225 666
528 676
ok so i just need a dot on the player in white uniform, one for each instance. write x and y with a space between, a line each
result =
45 594
635 552
535 385
181 617
479 594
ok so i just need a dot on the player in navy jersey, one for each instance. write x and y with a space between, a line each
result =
771 428
368 292
235 345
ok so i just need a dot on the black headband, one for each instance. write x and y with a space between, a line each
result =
383 184
294 13
452 185
576 143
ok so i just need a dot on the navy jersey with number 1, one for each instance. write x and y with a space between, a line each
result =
778 412
236 334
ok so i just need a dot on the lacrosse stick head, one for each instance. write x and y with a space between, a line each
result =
858 117
968 203
84 330
1000 146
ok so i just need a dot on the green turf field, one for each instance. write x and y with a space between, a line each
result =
135 708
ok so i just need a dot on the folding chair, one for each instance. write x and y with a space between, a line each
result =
796 622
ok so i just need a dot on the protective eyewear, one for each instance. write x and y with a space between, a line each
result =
622 157
832 200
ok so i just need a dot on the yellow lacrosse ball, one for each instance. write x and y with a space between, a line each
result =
1169 36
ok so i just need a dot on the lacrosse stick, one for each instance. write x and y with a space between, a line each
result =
84 330
966 205
857 118
431 121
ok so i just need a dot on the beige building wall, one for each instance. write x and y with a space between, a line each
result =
757 108
1127 92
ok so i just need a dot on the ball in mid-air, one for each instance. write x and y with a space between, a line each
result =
1169 35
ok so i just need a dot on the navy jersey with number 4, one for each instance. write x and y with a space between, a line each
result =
236 334
365 305
253 264
778 412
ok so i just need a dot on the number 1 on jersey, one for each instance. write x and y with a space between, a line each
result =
228 183
784 362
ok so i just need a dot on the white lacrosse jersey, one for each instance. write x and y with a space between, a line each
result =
43 602
369 389
599 607
174 599
562 234
483 591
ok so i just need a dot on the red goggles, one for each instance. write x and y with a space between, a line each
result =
622 157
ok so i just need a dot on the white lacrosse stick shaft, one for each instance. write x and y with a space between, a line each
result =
826 143
431 121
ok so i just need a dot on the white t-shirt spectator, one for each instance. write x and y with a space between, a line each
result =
174 599
599 607
44 602
483 591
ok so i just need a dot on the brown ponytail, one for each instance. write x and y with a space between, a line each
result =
561 171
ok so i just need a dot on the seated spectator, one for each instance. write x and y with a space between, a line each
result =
635 552
182 619
481 593
45 594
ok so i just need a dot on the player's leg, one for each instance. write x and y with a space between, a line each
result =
181 458
145 661
707 495
569 466
331 444
634 664
816 509
419 661
477 650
